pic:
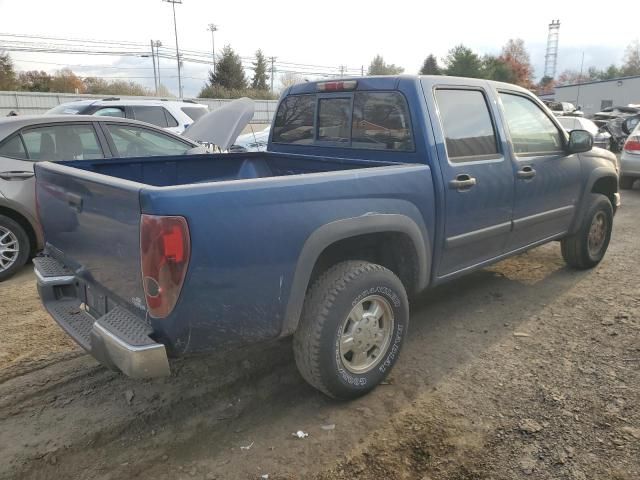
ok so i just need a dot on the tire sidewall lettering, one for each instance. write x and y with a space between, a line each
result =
392 351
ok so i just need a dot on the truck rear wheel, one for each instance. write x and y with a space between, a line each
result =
353 324
588 245
14 247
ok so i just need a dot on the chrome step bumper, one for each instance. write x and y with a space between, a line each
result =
118 339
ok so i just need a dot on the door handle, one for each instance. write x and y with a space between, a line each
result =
15 175
526 172
74 201
462 182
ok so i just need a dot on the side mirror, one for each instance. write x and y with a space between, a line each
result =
629 124
580 141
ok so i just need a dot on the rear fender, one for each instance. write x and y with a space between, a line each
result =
332 232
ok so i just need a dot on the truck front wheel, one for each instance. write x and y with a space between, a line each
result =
588 245
354 321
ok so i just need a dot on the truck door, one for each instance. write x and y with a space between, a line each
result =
479 183
548 180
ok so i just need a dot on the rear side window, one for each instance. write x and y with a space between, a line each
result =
171 121
110 112
13 148
62 142
467 124
152 115
531 130
333 119
133 141
194 113
381 122
294 120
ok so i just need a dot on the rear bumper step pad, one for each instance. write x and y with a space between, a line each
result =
118 339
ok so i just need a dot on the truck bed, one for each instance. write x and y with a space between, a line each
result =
249 217
182 170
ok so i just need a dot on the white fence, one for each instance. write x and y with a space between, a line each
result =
30 103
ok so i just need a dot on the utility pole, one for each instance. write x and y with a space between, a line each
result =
175 28
213 28
580 80
342 70
273 71
362 70
155 77
157 44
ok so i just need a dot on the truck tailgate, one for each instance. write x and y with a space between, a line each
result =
92 225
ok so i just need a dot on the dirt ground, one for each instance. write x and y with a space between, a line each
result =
523 370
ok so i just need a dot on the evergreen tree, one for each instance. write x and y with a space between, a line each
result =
430 66
379 67
7 73
260 77
495 68
229 72
462 62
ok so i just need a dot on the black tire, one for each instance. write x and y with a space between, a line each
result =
24 246
576 250
626 183
327 307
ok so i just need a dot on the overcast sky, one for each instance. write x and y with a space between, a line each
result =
322 33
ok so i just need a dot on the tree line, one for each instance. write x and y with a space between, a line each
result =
66 81
512 65
229 80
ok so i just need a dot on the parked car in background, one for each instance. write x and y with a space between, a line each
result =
171 115
630 157
564 108
600 138
604 116
251 142
26 140
371 190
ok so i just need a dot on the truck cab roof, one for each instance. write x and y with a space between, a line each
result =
395 82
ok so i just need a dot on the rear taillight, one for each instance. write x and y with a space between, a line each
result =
165 248
632 144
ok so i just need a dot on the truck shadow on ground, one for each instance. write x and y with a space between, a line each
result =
213 403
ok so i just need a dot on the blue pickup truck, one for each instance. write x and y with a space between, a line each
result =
371 191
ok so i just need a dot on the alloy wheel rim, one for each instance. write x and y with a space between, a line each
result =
597 234
9 248
365 334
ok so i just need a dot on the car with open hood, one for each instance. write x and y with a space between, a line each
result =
27 140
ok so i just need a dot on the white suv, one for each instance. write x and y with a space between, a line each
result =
171 115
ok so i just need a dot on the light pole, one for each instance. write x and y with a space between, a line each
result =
175 28
158 44
213 28
155 77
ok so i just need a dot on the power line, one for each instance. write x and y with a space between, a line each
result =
81 40
25 43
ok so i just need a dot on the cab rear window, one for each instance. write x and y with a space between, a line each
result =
294 120
362 120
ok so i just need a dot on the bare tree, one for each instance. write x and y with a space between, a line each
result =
288 79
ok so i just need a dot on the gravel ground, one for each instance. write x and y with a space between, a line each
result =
523 370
